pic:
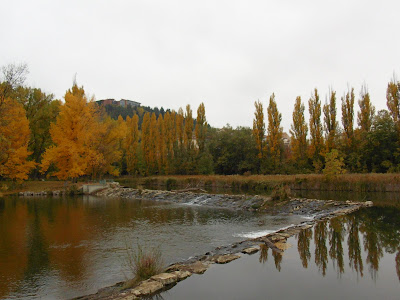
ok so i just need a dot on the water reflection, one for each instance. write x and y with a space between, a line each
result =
370 233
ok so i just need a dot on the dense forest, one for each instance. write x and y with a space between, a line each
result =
42 136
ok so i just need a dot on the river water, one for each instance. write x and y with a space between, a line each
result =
349 257
59 248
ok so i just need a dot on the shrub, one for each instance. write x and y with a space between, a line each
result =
144 263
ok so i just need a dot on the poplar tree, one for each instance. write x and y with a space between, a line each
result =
161 144
299 130
146 141
330 123
367 111
348 118
201 127
154 133
259 128
179 128
393 101
188 132
131 145
316 139
274 136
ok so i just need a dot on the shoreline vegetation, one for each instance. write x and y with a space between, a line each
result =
81 138
370 182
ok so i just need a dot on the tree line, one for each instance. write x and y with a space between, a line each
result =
321 145
43 136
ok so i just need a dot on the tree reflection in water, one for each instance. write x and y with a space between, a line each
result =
321 252
303 246
263 253
375 228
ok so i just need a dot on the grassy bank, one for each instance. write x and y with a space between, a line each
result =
9 187
259 183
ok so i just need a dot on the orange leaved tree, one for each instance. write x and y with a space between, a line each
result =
14 138
73 134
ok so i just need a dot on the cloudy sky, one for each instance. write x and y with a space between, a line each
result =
226 54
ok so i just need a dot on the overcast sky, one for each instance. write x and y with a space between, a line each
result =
226 54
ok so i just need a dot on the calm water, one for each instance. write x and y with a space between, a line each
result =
349 257
68 247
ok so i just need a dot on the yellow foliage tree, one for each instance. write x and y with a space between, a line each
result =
131 143
14 139
316 140
348 118
299 132
330 122
146 141
188 133
201 127
106 147
73 135
179 127
259 128
274 136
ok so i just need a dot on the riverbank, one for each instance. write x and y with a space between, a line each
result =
371 182
317 209
36 186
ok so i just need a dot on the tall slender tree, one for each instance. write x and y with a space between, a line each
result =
393 101
259 128
330 122
316 139
348 118
299 130
367 111
274 136
131 145
201 127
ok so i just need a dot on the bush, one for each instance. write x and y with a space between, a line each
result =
144 263
281 192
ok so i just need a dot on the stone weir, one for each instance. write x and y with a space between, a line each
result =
322 210
293 206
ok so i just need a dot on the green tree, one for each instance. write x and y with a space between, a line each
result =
333 164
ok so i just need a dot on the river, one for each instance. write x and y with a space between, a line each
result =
67 247
55 247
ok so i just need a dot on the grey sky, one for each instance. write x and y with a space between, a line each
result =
227 54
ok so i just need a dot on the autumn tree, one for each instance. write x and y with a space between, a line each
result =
146 141
316 139
180 128
330 123
152 155
393 101
201 127
188 132
259 128
161 144
274 134
13 76
14 138
298 133
106 147
170 139
131 144
367 111
73 135
348 118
